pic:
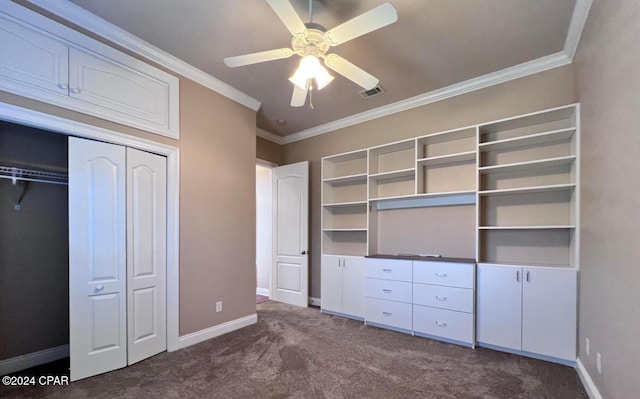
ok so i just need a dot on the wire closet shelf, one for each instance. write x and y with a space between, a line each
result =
18 174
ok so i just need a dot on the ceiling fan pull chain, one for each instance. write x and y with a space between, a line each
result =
311 97
310 10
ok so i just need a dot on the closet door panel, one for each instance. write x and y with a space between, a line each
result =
146 254
97 257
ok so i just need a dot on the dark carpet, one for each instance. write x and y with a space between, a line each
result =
301 353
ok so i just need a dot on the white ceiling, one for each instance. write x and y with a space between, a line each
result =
434 44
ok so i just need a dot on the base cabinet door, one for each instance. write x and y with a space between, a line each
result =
331 284
342 288
549 299
353 286
499 310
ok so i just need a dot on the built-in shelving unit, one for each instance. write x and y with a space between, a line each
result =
527 195
504 193
344 199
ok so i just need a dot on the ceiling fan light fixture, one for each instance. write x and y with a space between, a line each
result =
310 68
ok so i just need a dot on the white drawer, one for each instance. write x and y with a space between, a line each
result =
390 313
444 273
437 296
389 269
388 289
443 323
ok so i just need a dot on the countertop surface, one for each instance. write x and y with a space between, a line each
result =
422 258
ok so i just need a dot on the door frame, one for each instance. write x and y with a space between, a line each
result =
56 124
270 165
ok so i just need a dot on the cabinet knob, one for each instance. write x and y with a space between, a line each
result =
99 287
75 90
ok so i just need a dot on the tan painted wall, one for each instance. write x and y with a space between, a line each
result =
532 93
607 81
217 201
268 151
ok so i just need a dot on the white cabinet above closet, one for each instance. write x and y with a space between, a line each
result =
46 61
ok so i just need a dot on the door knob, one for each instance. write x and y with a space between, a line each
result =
304 252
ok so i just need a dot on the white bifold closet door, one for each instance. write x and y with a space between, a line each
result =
117 256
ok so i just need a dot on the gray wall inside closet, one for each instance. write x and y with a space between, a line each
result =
34 246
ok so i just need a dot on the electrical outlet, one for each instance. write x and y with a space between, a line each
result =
587 346
218 306
599 362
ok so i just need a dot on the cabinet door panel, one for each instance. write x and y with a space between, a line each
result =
117 91
331 283
30 59
353 286
549 312
499 311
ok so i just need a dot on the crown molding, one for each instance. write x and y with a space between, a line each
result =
269 136
515 72
578 20
91 22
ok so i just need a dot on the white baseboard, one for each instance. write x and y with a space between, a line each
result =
588 383
215 331
263 291
18 363
313 301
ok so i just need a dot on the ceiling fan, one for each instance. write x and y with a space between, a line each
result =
311 41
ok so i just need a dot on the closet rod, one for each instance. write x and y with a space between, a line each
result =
19 174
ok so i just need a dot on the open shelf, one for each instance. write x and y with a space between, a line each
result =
525 190
362 229
446 143
529 140
518 166
409 172
392 157
345 204
345 165
526 227
360 177
467 156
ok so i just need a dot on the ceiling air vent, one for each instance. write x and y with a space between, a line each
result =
372 92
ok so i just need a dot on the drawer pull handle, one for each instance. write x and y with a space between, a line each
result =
440 324
441 275
387 270
441 298
386 313
386 291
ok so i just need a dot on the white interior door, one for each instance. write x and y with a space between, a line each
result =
97 258
291 230
146 254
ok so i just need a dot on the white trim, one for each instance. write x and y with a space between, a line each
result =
28 117
91 22
313 301
215 331
269 136
578 20
33 359
263 292
515 72
588 383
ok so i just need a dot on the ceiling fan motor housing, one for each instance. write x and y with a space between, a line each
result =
312 43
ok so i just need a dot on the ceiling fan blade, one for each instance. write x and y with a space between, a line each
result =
289 16
255 58
299 96
350 71
369 21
